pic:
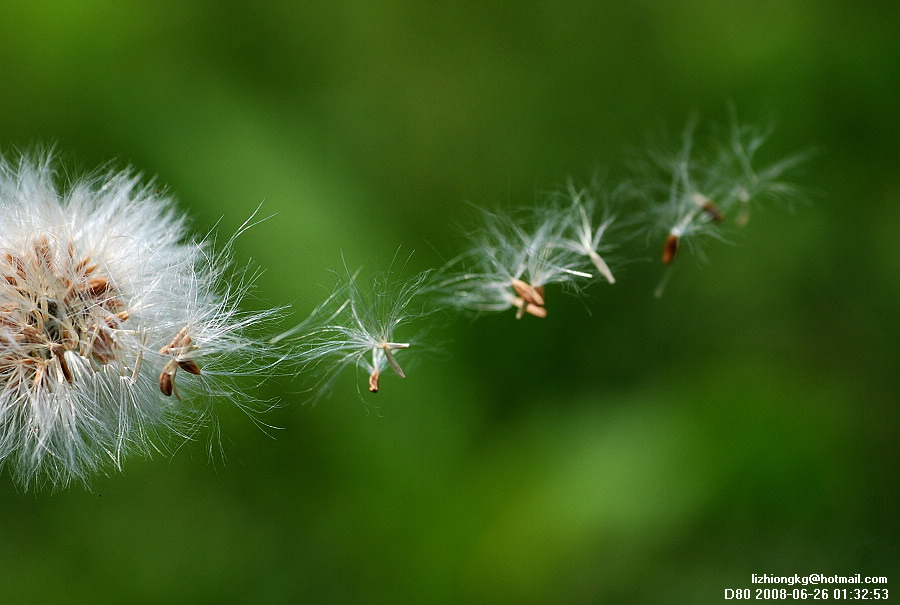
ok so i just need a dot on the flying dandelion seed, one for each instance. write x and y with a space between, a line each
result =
712 182
587 215
359 324
709 185
514 257
103 300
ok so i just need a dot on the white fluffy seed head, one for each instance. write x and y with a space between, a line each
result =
114 326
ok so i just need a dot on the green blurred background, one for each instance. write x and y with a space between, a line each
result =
625 450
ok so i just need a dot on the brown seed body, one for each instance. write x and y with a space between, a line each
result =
529 293
670 249
712 211
167 380
531 309
180 349
190 366
530 299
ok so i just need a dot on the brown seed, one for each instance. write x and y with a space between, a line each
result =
181 340
59 353
670 249
373 381
85 267
165 384
98 286
167 378
535 310
69 338
114 320
16 263
529 293
190 366
32 334
42 250
525 307
102 345
712 211
180 345
7 315
39 375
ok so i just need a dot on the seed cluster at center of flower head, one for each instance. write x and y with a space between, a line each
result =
54 301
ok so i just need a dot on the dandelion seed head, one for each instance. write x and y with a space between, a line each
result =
112 323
